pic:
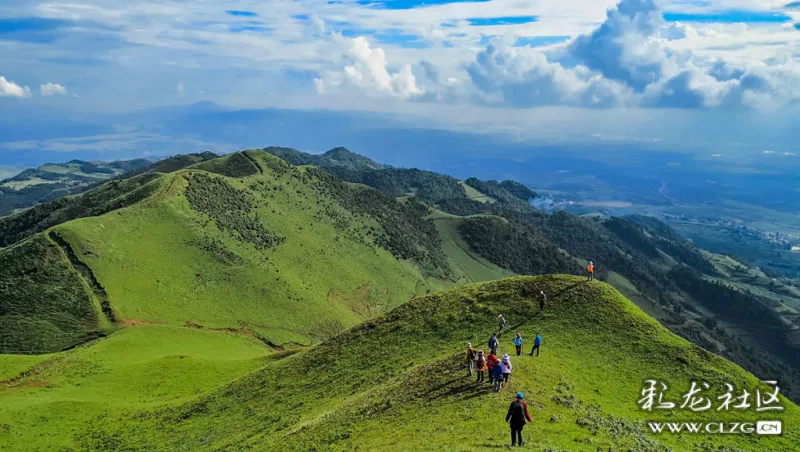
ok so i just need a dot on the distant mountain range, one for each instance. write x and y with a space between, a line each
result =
54 180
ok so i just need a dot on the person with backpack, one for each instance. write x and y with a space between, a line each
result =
497 374
517 417
590 271
471 356
480 364
542 300
493 343
518 343
536 344
506 364
501 323
491 362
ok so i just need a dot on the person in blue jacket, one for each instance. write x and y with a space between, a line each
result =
518 343
536 344
498 376
493 344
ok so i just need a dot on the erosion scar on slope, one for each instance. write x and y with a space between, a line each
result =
254 162
86 272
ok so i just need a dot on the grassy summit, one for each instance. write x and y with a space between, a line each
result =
243 242
398 383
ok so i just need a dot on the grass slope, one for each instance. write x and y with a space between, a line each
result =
45 398
468 266
398 383
45 303
271 253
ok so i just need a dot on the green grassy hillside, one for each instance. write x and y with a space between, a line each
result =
399 383
246 242
44 399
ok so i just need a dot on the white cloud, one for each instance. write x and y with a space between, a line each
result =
11 89
52 89
367 68
523 77
625 61
135 45
179 90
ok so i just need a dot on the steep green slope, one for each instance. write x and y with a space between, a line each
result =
287 253
467 265
399 383
45 303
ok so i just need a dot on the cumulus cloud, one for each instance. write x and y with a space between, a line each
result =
52 89
11 89
367 68
626 61
623 48
522 77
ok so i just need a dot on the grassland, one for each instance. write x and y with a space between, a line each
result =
265 248
467 265
46 397
399 383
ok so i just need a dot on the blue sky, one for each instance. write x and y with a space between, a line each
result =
89 58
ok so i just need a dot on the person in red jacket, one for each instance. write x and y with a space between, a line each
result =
517 417
491 361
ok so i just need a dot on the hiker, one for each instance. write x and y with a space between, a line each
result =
542 300
471 359
493 343
506 364
491 361
502 323
481 366
536 344
590 271
497 374
517 417
518 343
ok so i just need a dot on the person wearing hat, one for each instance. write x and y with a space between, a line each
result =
506 364
471 359
517 417
590 271
481 366
542 300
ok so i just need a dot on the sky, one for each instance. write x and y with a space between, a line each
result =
608 69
